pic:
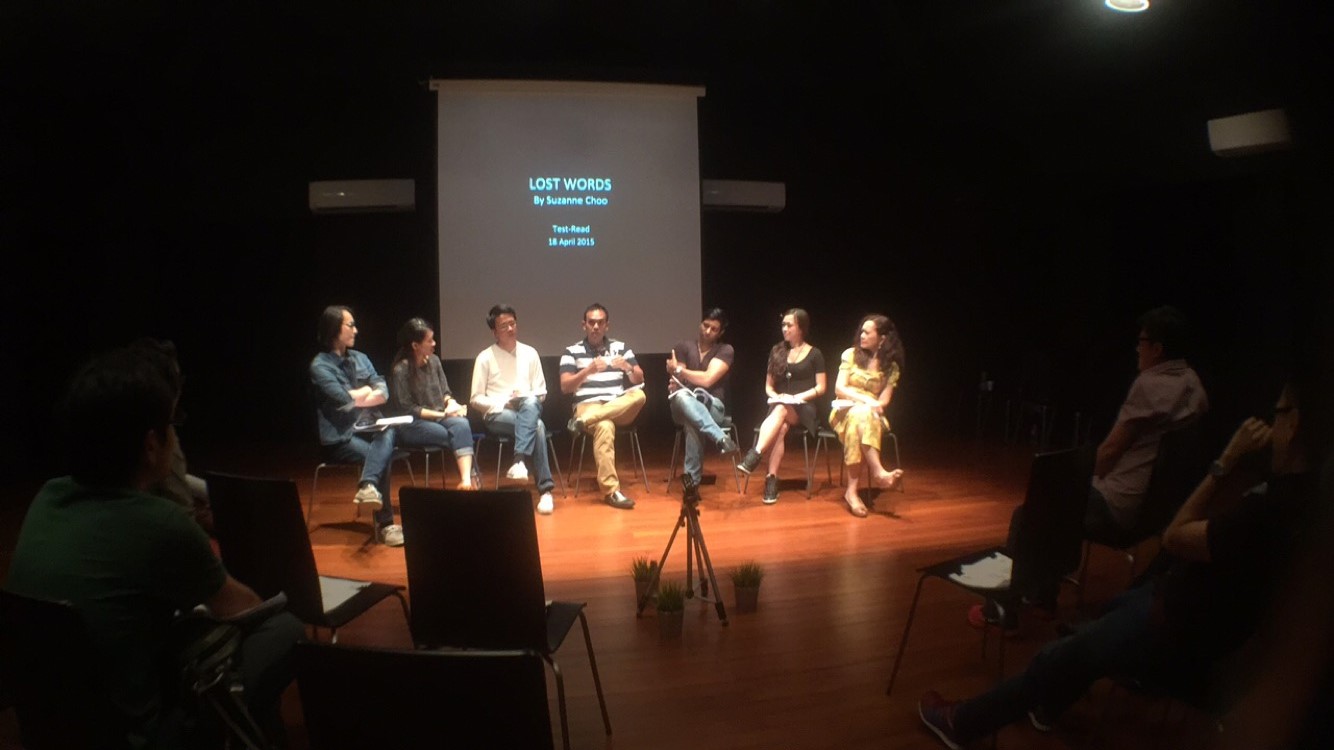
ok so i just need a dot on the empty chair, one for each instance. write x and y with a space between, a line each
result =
429 699
264 544
1051 539
476 580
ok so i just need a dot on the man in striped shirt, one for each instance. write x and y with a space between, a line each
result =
606 381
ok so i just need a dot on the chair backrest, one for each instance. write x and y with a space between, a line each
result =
474 572
263 540
436 699
1179 466
52 672
1051 534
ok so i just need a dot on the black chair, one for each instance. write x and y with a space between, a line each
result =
819 437
503 440
678 442
435 699
579 443
1050 541
1179 466
265 545
475 575
53 675
826 435
400 455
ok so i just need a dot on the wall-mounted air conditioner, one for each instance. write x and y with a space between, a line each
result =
362 196
1251 133
743 195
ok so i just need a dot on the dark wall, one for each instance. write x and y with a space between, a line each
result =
156 171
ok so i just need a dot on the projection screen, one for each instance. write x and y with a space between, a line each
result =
555 195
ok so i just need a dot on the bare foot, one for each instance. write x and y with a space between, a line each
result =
889 480
855 505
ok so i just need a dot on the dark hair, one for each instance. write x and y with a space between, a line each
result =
891 346
162 354
108 408
596 306
778 355
412 332
496 312
716 313
331 325
1167 326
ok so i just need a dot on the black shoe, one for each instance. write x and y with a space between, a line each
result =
727 445
689 490
749 462
770 489
618 500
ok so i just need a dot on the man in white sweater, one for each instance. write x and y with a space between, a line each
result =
508 389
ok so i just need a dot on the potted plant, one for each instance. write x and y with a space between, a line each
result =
671 609
642 571
746 579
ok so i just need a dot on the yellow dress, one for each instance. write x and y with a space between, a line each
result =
859 425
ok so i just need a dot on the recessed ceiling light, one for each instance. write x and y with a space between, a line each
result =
1127 6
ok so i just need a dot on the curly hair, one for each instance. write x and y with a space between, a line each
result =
891 346
778 355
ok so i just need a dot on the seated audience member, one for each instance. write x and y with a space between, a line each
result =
1165 396
128 560
420 388
1226 555
703 363
600 371
349 393
867 375
795 378
179 486
508 389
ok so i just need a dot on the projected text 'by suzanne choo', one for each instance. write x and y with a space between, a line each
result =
571 192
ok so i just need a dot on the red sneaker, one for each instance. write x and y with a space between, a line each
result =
977 618
938 716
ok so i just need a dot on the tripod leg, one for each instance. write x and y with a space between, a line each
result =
692 552
697 532
657 574
699 563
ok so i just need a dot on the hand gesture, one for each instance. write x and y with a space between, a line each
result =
1251 436
620 364
672 364
599 364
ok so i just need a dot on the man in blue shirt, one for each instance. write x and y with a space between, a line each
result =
349 392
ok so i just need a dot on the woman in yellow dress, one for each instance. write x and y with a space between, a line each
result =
867 375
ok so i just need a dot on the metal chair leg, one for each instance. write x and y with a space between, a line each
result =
903 642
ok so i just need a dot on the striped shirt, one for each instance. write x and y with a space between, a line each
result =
600 386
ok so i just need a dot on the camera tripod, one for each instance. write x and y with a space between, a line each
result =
697 554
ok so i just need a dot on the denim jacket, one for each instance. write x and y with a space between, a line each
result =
332 377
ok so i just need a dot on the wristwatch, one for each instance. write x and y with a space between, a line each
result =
1218 470
679 369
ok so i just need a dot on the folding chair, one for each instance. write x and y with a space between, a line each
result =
475 575
264 544
429 699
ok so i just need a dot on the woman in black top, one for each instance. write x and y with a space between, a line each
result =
795 378
418 387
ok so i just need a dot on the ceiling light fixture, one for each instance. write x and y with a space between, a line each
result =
1127 6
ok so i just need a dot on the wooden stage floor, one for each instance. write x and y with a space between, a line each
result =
809 668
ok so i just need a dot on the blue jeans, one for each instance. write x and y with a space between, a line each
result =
530 437
1121 642
451 433
696 419
374 451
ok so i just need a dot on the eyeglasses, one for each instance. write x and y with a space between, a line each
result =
351 324
1269 414
595 322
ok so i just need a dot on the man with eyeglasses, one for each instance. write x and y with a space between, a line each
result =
508 390
349 393
606 381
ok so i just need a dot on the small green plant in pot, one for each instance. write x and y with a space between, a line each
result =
671 609
642 571
746 579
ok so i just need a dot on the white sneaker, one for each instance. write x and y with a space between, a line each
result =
369 497
546 504
517 471
392 535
